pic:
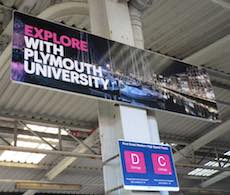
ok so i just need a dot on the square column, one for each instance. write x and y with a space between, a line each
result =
110 19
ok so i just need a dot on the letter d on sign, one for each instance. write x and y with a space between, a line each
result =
134 162
135 159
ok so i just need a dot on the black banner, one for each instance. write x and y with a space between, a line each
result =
56 56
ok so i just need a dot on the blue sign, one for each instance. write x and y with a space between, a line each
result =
147 167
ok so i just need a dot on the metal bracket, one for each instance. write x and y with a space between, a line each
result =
114 189
110 159
35 134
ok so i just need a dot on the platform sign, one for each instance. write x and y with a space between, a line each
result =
47 54
147 167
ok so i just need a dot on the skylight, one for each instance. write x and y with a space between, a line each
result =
25 157
223 162
31 142
202 172
216 164
34 138
39 128
227 153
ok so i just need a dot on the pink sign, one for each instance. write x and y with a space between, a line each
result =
135 162
161 164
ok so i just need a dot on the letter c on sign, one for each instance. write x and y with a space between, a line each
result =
135 159
161 161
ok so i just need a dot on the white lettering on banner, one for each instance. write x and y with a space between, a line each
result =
47 59
40 45
32 43
135 159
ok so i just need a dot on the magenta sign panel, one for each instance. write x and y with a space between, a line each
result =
161 164
147 167
135 162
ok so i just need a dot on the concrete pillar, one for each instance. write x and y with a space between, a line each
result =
135 16
111 19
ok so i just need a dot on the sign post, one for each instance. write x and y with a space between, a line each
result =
147 167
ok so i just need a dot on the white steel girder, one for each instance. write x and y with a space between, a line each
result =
215 179
203 56
203 140
199 58
65 162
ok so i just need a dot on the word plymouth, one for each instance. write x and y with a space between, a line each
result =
64 69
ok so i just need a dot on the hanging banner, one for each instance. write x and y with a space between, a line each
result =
147 167
55 56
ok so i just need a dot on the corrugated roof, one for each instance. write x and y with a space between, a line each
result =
175 28
181 28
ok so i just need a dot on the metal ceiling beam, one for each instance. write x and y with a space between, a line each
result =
223 102
5 141
202 57
221 85
185 165
203 140
215 179
210 155
64 163
46 186
45 167
217 73
46 119
23 165
48 167
35 181
81 142
9 130
166 137
74 154
222 3
192 177
216 132
209 191
37 135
